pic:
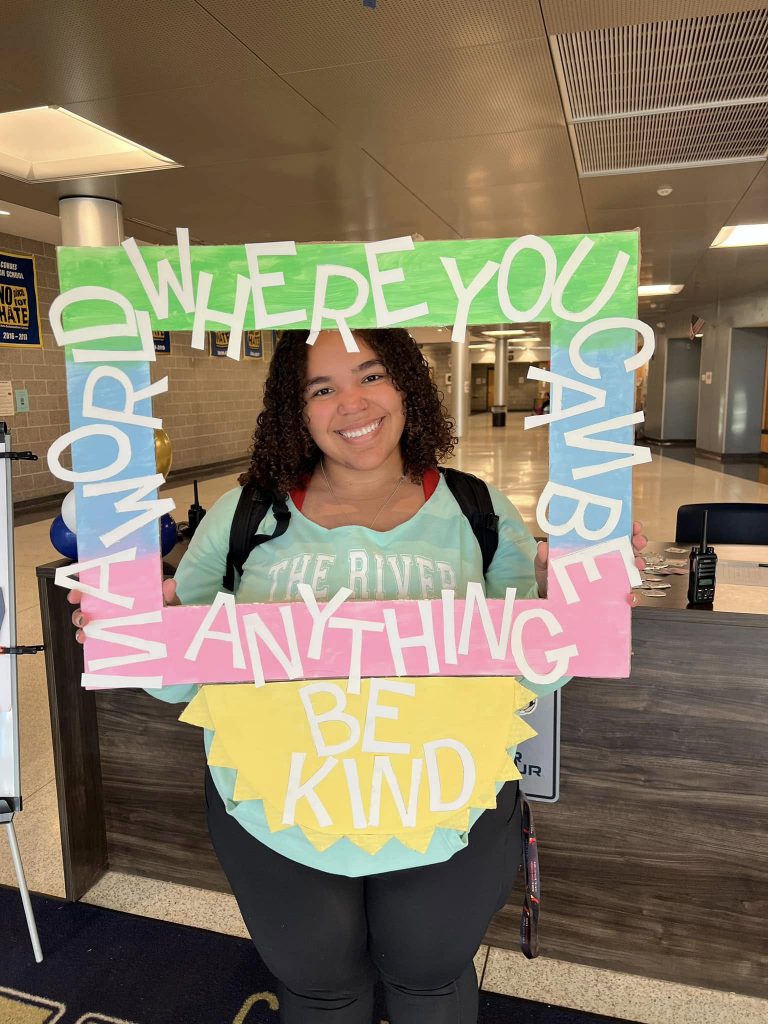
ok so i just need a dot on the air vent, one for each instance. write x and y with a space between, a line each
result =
678 139
667 94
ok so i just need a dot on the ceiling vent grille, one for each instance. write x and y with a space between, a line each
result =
667 94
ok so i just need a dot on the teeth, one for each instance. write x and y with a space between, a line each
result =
361 432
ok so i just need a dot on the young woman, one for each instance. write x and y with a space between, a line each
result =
354 439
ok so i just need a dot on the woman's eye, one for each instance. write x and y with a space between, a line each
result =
373 377
320 392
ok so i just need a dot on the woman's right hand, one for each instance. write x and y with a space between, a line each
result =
80 620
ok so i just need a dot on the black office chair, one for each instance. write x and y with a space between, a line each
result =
729 522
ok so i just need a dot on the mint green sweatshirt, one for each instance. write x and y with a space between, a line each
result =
434 550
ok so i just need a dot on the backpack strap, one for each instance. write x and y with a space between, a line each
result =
252 506
474 500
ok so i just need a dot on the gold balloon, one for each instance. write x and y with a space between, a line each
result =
163 452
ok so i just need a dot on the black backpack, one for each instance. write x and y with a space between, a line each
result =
470 492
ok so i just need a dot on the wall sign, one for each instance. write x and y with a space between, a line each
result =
254 343
162 341
19 309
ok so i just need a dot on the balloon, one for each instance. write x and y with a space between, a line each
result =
63 539
169 534
68 513
163 452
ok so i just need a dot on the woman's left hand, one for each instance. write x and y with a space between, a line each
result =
541 562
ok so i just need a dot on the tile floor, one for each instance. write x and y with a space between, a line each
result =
516 461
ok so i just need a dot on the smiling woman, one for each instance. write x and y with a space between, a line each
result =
352 441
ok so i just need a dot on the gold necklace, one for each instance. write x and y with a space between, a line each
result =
381 507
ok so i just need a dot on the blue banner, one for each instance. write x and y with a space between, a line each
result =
162 340
19 310
218 341
254 343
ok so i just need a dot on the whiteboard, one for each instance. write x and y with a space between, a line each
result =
10 782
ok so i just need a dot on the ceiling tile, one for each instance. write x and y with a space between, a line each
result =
724 274
698 220
472 91
43 196
535 208
309 34
727 182
250 213
73 50
666 265
478 161
753 208
216 122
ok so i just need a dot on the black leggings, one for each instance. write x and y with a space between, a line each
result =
327 937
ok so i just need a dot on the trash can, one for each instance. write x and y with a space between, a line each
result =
499 414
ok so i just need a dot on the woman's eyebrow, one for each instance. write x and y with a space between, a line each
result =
367 365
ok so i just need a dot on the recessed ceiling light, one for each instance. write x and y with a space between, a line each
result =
53 144
741 234
501 334
660 289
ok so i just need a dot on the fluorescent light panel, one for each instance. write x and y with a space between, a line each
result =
53 144
660 289
502 334
741 234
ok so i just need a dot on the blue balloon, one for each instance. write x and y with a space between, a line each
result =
168 534
63 539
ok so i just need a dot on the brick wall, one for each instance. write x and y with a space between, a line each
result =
209 411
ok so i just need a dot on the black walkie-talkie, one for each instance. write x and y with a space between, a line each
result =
195 514
701 572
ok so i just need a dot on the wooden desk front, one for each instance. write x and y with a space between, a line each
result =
655 860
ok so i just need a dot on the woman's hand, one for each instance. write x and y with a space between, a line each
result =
80 620
541 562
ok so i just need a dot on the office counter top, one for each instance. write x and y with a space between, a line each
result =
729 597
654 861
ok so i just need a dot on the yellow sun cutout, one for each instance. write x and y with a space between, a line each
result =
398 760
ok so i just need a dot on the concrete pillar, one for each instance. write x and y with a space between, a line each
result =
460 378
499 408
92 221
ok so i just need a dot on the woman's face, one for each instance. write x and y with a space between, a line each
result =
353 411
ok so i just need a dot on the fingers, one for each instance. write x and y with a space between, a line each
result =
80 619
169 593
542 553
634 600
639 540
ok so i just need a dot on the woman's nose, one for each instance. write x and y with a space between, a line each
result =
352 399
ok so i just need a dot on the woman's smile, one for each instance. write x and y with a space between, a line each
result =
362 433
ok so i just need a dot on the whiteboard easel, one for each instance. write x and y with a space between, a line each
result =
10 775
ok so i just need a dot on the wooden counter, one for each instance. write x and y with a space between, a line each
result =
654 862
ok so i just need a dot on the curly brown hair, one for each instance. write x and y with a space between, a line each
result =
282 459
